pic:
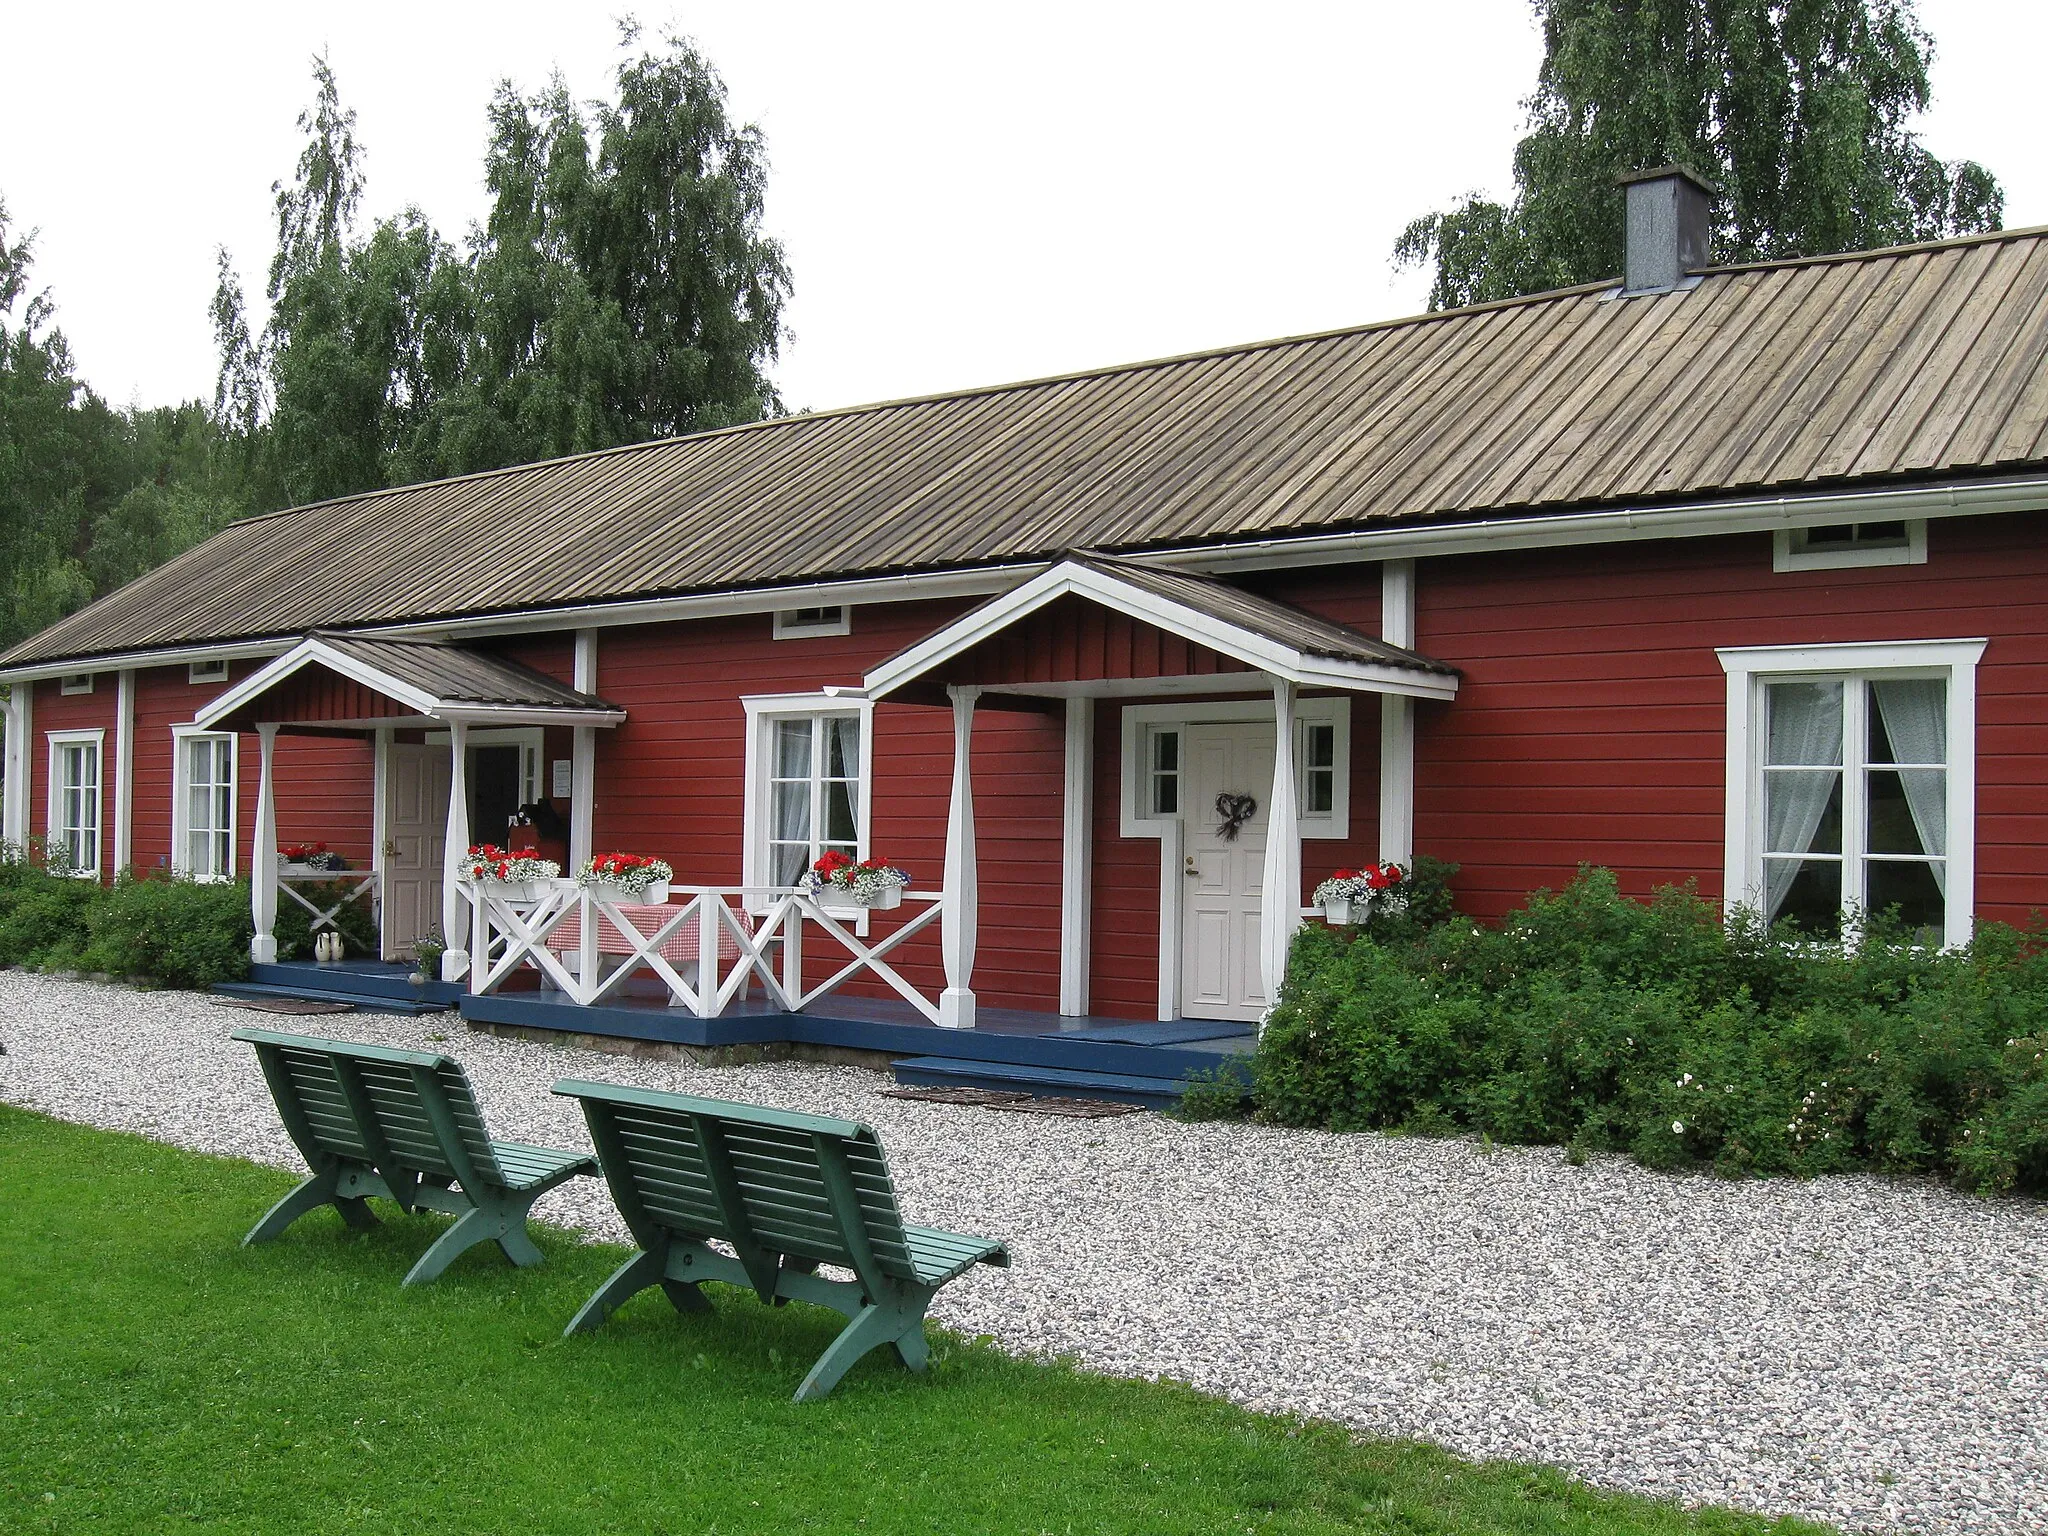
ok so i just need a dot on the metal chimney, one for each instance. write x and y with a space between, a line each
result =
1668 212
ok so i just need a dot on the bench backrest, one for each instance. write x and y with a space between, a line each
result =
368 1103
759 1179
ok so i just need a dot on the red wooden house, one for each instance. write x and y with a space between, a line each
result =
1731 575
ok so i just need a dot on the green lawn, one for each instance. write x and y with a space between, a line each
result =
156 1376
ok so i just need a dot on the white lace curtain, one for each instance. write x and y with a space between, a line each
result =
1805 727
1915 716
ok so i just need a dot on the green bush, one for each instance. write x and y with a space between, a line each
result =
43 916
180 932
1590 1020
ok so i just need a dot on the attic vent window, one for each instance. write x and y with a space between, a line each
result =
77 682
791 623
207 672
1838 546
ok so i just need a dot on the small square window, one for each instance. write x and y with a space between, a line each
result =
1837 546
77 682
1318 768
790 623
1164 796
207 672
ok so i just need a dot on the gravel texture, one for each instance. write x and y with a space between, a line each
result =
1866 1352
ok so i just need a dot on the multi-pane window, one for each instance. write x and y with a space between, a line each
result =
209 852
1162 795
74 835
813 800
1855 801
1318 768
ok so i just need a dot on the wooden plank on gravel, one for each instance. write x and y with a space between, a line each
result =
987 1096
294 1005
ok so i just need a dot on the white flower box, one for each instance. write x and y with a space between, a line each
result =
834 898
653 894
1339 911
514 890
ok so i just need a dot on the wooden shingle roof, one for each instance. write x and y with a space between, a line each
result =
1887 367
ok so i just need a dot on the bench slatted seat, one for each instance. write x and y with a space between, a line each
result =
405 1126
786 1192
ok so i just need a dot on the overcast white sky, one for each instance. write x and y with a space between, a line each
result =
968 193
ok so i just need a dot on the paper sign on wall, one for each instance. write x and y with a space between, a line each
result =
559 789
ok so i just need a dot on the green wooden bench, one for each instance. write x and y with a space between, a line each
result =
787 1192
403 1125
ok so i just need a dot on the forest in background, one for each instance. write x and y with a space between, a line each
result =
619 289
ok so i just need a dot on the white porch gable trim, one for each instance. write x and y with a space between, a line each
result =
316 651
1088 578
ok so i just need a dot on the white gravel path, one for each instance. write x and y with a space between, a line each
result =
1862 1351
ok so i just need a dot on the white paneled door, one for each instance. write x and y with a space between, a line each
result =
1227 772
415 845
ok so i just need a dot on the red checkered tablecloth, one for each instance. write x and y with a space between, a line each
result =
679 948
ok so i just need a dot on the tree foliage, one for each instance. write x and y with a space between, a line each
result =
620 289
1798 110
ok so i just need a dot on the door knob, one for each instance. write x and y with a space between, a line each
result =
1191 866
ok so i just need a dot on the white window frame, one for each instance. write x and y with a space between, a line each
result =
530 739
1787 554
207 671
1141 722
97 740
74 683
789 627
181 799
1749 668
763 712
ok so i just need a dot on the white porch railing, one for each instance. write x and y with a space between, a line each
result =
732 947
366 880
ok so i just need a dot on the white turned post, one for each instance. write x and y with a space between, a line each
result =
124 771
1397 720
1076 856
19 766
263 853
583 759
1280 909
957 930
454 892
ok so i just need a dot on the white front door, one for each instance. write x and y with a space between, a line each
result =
415 844
1226 865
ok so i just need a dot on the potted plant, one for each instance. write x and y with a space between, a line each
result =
631 877
515 876
308 858
1350 895
871 884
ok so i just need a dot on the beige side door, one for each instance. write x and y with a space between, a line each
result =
415 844
1222 887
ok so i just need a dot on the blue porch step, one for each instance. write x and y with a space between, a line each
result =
367 1002
1048 1082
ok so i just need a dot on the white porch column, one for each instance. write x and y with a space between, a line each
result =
454 894
957 924
20 764
124 770
1397 720
1280 910
583 759
263 853
1076 858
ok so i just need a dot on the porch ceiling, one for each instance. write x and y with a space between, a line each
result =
1225 637
345 681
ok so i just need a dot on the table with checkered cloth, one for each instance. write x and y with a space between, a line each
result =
679 948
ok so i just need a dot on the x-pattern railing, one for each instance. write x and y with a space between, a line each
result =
512 934
325 917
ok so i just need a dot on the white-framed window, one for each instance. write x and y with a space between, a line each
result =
1152 760
1852 784
1837 546
75 812
76 682
206 672
809 768
830 619
203 804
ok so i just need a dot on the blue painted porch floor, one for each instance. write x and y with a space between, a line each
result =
1018 1046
